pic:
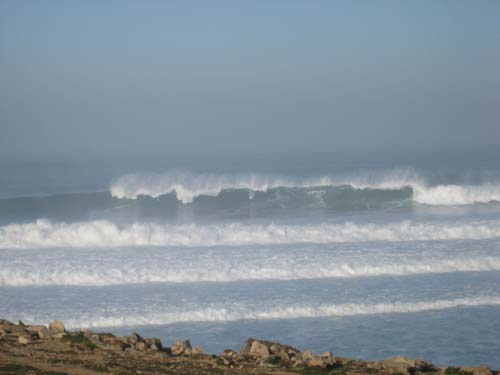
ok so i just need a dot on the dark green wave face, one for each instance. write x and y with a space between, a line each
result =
228 203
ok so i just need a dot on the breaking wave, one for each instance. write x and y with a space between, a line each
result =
228 268
187 186
237 312
102 233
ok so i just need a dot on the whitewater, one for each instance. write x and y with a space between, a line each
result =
46 234
290 255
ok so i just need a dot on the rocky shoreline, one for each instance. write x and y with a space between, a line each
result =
51 350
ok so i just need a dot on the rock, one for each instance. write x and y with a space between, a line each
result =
316 361
226 360
245 350
279 352
398 362
230 354
357 362
265 349
181 347
197 351
56 327
13 329
327 356
41 331
110 339
23 340
259 350
140 345
154 344
424 366
135 338
5 323
297 362
306 356
405 365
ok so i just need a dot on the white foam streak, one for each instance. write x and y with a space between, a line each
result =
102 233
188 185
237 313
102 273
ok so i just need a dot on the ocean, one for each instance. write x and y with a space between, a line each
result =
364 260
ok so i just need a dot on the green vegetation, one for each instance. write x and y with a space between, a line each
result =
15 369
456 371
80 339
314 371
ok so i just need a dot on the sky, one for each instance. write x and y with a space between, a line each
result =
143 78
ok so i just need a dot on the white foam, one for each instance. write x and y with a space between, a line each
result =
237 312
448 195
102 233
225 268
188 185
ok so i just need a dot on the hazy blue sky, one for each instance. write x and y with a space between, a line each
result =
113 78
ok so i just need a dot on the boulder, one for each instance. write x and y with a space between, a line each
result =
140 345
280 351
316 361
14 330
56 327
181 347
226 361
405 365
328 356
135 338
108 338
154 344
398 364
5 327
306 356
245 350
124 346
41 331
197 351
259 350
230 354
23 340
297 361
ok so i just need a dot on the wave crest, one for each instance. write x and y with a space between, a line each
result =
187 186
236 312
226 268
102 233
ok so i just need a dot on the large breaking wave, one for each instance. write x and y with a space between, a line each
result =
188 195
187 186
103 233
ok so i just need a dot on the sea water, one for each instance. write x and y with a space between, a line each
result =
366 261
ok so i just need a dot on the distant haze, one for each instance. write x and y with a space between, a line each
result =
146 78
